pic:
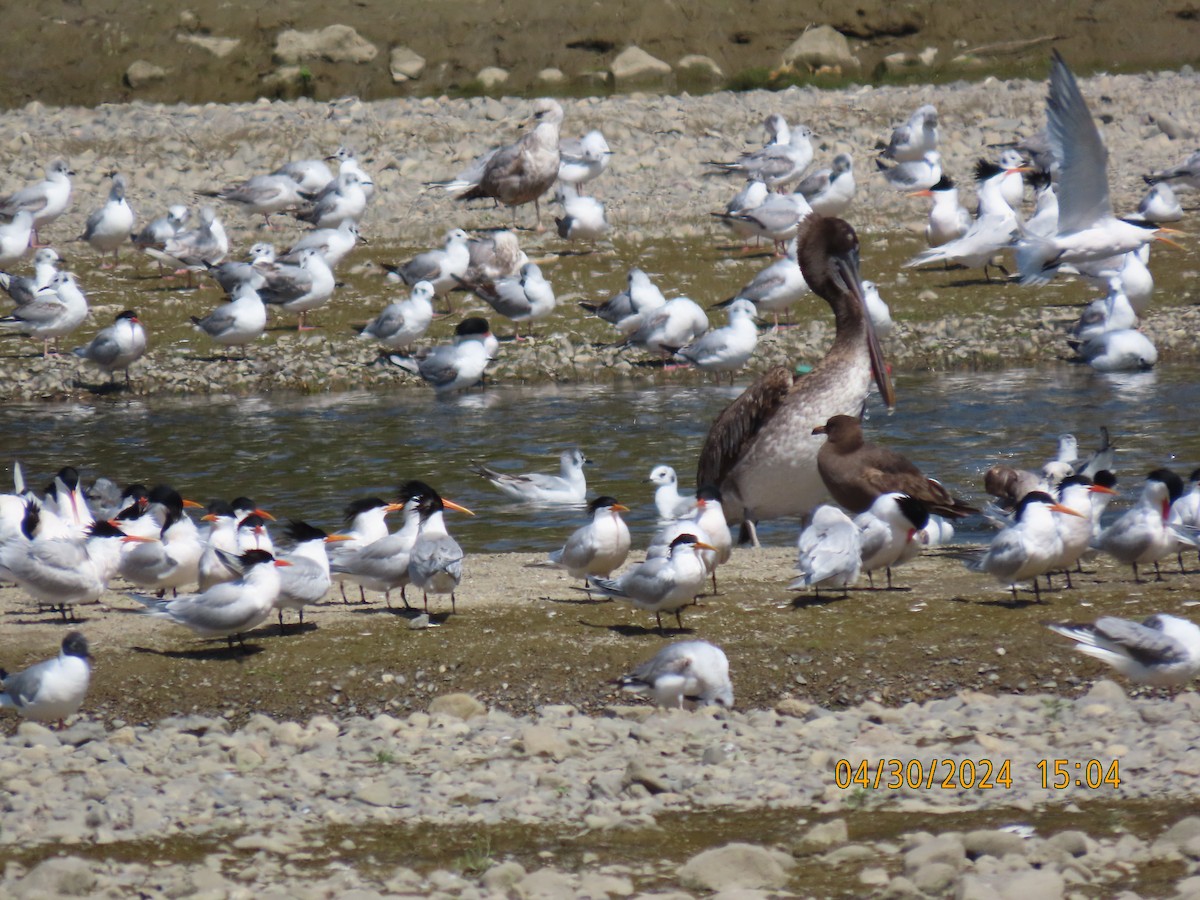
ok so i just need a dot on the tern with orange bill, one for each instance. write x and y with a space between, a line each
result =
661 583
435 564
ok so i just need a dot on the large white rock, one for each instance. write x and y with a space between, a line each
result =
633 64
405 63
492 76
821 46
736 867
220 47
335 43
141 73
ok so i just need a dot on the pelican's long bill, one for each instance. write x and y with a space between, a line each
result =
846 270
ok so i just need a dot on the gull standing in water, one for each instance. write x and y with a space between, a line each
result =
118 346
684 675
1087 228
52 689
520 172
760 450
44 201
111 225
669 503
599 547
776 288
569 487
526 298
1161 650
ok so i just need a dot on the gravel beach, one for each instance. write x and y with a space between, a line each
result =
487 756
658 198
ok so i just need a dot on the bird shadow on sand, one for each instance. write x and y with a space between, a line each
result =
237 652
43 616
400 612
810 601
640 630
585 600
1002 603
291 629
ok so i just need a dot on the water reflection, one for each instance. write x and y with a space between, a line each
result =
308 456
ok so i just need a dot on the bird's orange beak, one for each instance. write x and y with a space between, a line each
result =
450 504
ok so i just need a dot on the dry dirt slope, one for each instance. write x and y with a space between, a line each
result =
77 52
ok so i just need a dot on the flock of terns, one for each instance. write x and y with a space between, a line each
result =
779 449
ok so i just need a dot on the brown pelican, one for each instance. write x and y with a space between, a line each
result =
760 450
855 472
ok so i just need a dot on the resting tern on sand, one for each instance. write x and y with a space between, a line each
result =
568 488
306 579
382 565
520 172
1076 492
1029 547
365 521
706 521
684 675
661 583
948 219
228 609
435 561
1087 228
890 533
52 689
599 547
760 450
1142 535
1161 650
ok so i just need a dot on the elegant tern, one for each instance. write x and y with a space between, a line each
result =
830 552
599 547
1162 650
661 583
435 563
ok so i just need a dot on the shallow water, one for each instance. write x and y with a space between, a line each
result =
306 457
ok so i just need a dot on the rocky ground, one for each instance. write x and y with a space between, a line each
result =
488 752
658 200
325 763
